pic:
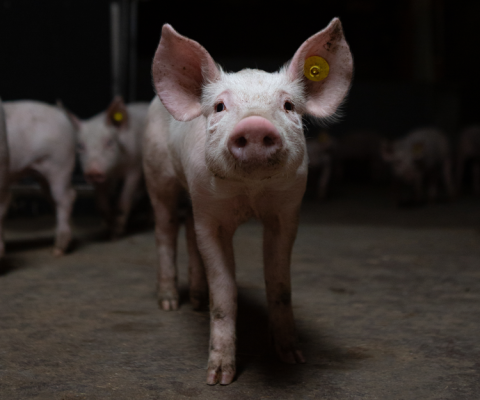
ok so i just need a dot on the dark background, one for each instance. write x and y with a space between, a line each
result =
416 62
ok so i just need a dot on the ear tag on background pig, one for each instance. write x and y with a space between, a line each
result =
316 68
118 116
417 149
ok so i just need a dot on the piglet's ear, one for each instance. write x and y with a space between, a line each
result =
117 114
180 68
75 121
324 96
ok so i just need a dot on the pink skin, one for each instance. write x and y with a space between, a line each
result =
41 140
420 159
235 144
254 140
110 151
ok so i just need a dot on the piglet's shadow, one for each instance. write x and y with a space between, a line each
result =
9 264
255 349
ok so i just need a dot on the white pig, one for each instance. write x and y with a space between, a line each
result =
469 150
41 141
109 145
235 143
419 160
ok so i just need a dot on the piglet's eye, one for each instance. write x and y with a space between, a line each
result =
220 107
288 106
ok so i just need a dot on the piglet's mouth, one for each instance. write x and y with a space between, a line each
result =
95 177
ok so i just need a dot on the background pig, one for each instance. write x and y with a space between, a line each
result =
469 152
41 141
420 160
237 146
109 146
320 150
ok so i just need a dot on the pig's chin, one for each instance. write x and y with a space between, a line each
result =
259 169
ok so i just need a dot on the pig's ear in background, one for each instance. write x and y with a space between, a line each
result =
117 114
74 120
386 151
325 65
180 68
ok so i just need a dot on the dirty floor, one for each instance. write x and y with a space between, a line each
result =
387 305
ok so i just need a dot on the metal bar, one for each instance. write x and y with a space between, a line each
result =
115 48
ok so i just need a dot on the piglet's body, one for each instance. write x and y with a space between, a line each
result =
421 160
41 140
110 150
235 143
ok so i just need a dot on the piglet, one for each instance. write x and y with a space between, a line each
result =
469 151
41 142
235 143
109 145
420 160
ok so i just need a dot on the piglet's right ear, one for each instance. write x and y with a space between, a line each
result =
180 68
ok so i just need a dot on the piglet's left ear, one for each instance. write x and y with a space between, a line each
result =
328 82
117 114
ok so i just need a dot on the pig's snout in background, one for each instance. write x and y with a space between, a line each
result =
254 140
94 175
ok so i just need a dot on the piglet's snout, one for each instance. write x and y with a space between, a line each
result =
254 139
95 176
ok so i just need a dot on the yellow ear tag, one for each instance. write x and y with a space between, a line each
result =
323 137
118 116
316 68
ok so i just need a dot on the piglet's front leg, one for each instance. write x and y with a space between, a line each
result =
279 236
215 245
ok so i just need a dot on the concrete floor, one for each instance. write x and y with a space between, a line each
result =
387 304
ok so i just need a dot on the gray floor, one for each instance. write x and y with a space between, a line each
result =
387 304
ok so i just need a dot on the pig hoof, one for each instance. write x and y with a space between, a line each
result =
218 375
169 305
291 356
57 252
168 302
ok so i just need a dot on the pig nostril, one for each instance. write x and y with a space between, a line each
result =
268 141
241 142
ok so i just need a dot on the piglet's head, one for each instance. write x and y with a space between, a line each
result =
98 141
406 159
253 118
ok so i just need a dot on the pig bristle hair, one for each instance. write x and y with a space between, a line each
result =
212 89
